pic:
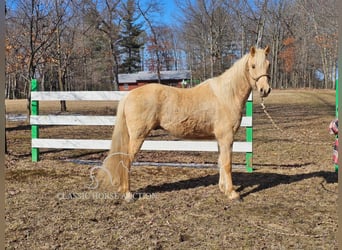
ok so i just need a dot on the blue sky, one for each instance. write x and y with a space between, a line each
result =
169 9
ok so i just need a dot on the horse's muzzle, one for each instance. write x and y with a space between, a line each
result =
265 92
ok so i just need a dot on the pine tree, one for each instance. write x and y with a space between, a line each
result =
132 40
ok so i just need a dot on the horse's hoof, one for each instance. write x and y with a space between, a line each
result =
234 195
221 187
237 200
129 197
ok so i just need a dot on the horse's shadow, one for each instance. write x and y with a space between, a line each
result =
260 181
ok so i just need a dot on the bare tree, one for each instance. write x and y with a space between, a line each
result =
62 17
33 18
323 18
146 11
207 33
76 44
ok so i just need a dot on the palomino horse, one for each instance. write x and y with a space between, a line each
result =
212 109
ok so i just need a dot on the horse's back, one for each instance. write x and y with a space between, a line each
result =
150 100
149 96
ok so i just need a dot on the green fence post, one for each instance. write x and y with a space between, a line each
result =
34 128
336 110
249 136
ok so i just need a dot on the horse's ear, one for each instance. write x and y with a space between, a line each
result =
267 50
252 51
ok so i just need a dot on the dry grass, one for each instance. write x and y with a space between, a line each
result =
289 201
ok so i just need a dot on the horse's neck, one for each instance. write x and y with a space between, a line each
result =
233 88
244 92
240 81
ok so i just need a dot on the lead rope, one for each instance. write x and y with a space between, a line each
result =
296 140
269 116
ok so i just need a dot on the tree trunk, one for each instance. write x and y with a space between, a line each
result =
115 66
59 62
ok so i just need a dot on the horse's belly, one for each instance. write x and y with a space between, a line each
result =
190 129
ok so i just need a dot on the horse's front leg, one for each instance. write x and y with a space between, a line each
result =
225 164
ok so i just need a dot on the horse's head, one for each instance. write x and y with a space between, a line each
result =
258 67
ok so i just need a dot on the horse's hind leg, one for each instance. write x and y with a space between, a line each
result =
138 128
125 165
134 147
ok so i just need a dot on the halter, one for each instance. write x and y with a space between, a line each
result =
258 78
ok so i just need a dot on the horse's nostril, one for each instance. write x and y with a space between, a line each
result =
269 90
261 90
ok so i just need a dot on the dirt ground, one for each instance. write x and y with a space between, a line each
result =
288 202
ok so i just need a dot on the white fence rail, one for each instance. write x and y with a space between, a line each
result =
78 120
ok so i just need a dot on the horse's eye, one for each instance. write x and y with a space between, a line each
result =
253 66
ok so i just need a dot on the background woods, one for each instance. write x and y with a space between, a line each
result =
85 44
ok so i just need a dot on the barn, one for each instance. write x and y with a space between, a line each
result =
171 78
